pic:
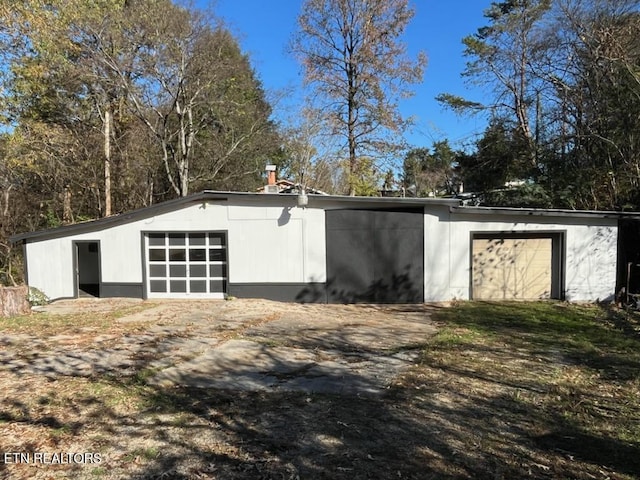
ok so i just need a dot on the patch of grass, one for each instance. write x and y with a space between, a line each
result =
181 420
61 431
559 381
98 471
452 337
269 342
130 310
109 393
575 329
141 376
49 324
148 453
44 323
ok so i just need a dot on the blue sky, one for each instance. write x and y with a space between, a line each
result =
264 29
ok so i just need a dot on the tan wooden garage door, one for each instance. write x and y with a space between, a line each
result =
512 268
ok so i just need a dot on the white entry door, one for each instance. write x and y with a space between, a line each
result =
186 264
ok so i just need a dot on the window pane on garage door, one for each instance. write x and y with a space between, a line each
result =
512 268
186 264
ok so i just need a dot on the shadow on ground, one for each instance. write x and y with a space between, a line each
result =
446 419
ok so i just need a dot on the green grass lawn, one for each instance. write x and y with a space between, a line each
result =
548 390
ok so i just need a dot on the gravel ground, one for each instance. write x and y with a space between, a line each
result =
175 389
239 344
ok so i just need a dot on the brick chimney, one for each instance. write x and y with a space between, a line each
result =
271 174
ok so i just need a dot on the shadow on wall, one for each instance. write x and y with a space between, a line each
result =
594 259
394 287
512 268
284 217
315 292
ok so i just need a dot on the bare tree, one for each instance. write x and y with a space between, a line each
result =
310 161
355 61
194 90
504 57
600 91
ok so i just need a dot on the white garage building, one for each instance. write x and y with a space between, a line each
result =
336 249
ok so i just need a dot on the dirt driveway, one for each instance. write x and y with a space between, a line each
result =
250 345
208 389
249 389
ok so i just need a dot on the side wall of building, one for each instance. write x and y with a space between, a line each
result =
267 244
275 251
589 251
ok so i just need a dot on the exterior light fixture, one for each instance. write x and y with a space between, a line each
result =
303 198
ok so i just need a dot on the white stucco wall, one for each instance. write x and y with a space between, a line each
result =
50 267
265 244
437 255
590 251
276 244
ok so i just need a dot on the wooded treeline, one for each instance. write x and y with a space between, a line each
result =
112 105
562 91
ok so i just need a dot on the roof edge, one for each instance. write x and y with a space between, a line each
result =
119 219
544 212
314 200
213 195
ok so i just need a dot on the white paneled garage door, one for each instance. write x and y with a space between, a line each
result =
512 268
186 264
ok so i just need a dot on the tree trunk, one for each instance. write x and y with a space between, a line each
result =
353 163
107 162
351 121
186 135
149 197
67 215
184 160
5 207
165 160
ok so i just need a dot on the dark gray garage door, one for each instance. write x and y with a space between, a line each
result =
375 256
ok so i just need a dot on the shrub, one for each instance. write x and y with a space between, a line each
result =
37 297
